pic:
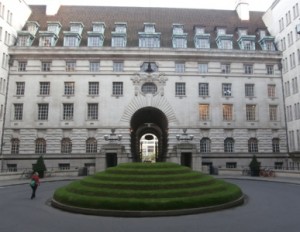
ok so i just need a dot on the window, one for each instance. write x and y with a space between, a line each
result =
44 88
63 166
204 112
288 17
69 88
281 24
93 88
94 66
46 66
12 167
149 42
149 88
20 88
252 145
95 41
40 146
205 145
179 67
248 68
292 60
248 45
270 69
226 90
287 89
15 146
203 68
22 66
179 42
180 89
18 111
249 90
70 66
230 164
225 44
43 111
68 111
250 112
47 40
273 112
229 145
71 41
203 89
296 10
225 68
118 66
295 85
92 111
117 89
66 146
227 112
202 43
275 145
91 145
271 91
118 41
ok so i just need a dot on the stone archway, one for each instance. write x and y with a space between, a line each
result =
149 120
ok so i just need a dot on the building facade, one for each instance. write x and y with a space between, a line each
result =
88 84
283 21
13 16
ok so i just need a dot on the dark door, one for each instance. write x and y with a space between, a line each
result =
186 159
111 160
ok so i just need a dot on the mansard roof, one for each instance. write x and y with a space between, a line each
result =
135 17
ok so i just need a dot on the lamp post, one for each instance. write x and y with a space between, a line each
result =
184 136
113 137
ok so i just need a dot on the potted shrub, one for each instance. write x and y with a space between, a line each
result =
254 166
40 167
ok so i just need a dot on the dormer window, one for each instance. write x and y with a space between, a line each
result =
119 36
245 41
72 38
76 27
149 38
224 41
54 27
24 39
32 27
201 39
96 37
179 38
266 42
49 38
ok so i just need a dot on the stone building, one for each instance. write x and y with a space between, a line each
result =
88 82
283 21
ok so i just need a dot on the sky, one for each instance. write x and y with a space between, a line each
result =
255 5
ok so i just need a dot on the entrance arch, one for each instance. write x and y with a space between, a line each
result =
149 120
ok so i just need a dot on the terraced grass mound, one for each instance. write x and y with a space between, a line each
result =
143 189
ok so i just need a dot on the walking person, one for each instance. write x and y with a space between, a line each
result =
34 183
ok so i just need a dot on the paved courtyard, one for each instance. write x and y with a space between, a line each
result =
270 206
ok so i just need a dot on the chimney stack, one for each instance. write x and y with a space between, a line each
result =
242 8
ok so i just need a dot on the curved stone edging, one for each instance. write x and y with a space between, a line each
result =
124 213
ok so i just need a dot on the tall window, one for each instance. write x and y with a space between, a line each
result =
205 145
22 66
40 146
15 146
271 90
225 68
270 69
94 66
273 112
69 88
18 115
43 111
275 145
249 90
117 89
91 145
66 146
229 145
68 111
20 88
251 112
118 66
179 67
92 111
226 90
253 145
227 112
180 89
46 66
203 68
70 66
248 69
44 88
204 112
93 88
203 89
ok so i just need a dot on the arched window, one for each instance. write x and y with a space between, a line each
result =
252 145
66 146
229 145
40 146
149 88
15 145
275 145
205 145
91 145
